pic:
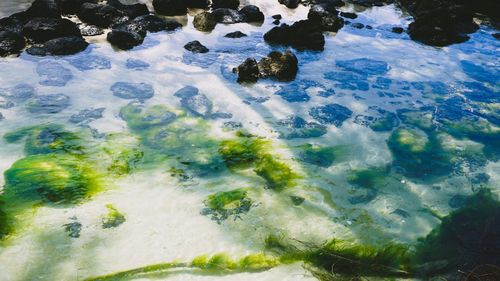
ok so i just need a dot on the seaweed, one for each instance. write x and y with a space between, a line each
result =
241 152
126 162
222 205
278 175
113 218
323 156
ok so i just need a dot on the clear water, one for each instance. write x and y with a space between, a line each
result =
164 213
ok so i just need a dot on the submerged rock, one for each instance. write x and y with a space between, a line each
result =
205 21
235 34
304 34
127 90
196 103
196 47
295 127
18 93
136 64
87 115
48 104
90 62
73 229
333 113
53 73
59 47
40 30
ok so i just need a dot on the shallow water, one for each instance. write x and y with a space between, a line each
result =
373 73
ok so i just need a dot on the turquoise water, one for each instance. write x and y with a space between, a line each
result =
375 142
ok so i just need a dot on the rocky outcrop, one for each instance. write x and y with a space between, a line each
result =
40 30
304 34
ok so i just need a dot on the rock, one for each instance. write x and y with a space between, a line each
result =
228 16
90 30
248 71
53 73
199 4
397 30
305 34
205 21
236 34
187 92
252 13
48 104
458 201
348 15
358 25
198 105
230 4
87 115
277 17
73 229
155 24
196 47
101 15
11 24
90 62
371 3
136 64
170 7
132 11
295 127
40 30
126 90
326 16
276 22
126 36
18 93
292 4
45 9
333 113
364 66
59 47
280 66
71 7
10 43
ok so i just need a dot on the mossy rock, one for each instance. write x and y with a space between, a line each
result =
241 152
113 218
278 175
369 178
51 177
44 139
224 204
323 156
422 119
138 119
126 162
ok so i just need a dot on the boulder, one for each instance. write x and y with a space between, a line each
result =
236 34
326 16
170 7
132 11
292 4
280 66
10 43
304 34
44 8
59 47
40 30
205 21
154 23
228 16
248 71
196 47
126 36
72 6
230 4
199 4
101 15
252 13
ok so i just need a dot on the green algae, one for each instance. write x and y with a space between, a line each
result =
323 156
113 218
51 177
224 204
126 162
368 178
242 152
277 175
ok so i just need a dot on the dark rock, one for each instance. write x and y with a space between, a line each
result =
277 17
90 62
292 4
101 15
281 66
45 9
348 15
48 104
196 47
276 22
371 3
297 200
87 115
230 4
228 16
154 23
132 11
199 4
397 30
248 71
11 24
497 36
10 43
295 127
205 21
72 6
326 16
236 34
126 90
357 25
90 30
126 36
59 47
53 73
170 7
252 13
333 113
40 30
305 34
73 229
136 64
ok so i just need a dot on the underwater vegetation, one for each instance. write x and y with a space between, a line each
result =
277 175
323 156
242 151
113 218
224 204
126 162
368 181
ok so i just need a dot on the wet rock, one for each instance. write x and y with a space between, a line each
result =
292 93
126 90
196 47
232 125
90 62
292 4
277 17
10 43
276 22
333 113
205 21
187 92
72 6
230 4
248 71
126 36
53 73
371 3
90 30
305 34
87 115
252 13
154 23
132 11
101 15
48 104
397 30
297 200
367 196
458 201
280 66
200 4
170 7
11 24
136 64
364 66
295 127
40 30
198 105
73 229
348 15
228 16
358 25
44 8
59 47
326 16
236 34
18 93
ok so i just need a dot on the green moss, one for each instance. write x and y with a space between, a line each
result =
466 238
258 262
320 156
242 151
278 175
52 177
44 139
126 162
222 205
113 218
